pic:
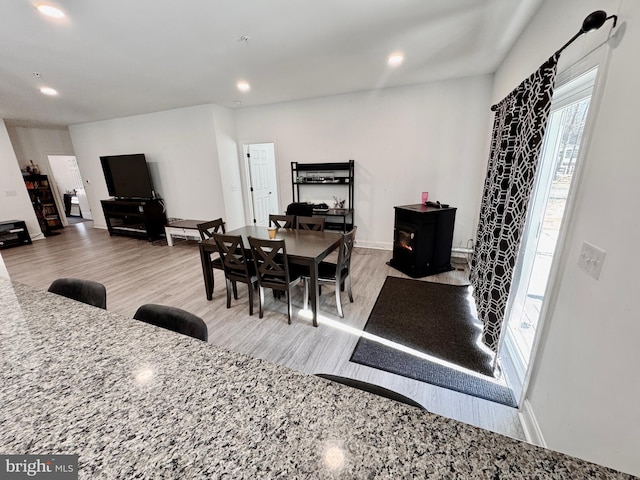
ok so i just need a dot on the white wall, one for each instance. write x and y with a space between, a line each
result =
38 143
181 150
430 137
584 388
15 203
230 163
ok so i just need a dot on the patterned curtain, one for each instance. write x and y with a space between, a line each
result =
518 130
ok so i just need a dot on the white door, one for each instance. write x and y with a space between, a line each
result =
67 176
263 187
83 203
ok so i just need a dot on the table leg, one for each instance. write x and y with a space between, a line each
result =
207 272
167 234
315 291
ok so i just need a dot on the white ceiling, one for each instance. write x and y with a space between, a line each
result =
114 58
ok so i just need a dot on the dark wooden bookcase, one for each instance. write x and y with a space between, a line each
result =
43 203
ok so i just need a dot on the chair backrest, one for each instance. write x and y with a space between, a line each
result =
311 223
173 318
207 229
270 260
234 260
282 221
85 291
346 249
371 388
300 208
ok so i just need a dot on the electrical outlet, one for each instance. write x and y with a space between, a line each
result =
591 259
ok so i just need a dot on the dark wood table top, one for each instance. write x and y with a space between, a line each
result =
301 244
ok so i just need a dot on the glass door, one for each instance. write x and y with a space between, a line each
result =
558 160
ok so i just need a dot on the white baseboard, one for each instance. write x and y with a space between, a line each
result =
532 431
376 245
455 251
461 251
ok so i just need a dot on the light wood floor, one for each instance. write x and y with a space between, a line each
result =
137 272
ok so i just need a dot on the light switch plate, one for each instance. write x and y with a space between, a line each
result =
591 259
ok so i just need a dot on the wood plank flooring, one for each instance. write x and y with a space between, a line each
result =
137 272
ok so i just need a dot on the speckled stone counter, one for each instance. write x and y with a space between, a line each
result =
137 401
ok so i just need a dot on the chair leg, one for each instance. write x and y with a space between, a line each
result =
228 294
348 282
250 288
235 290
338 302
261 295
290 308
306 293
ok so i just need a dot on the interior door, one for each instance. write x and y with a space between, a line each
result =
263 186
67 177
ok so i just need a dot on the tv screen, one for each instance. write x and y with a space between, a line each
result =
127 176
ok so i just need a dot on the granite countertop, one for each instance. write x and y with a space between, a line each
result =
136 401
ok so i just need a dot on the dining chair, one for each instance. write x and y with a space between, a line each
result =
337 274
207 230
81 290
273 269
371 388
300 208
173 318
282 221
311 223
235 265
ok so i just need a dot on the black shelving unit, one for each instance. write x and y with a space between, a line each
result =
337 174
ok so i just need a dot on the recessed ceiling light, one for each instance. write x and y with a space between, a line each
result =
48 91
243 86
50 11
395 59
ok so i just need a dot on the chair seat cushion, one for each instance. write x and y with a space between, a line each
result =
173 318
217 263
297 271
327 271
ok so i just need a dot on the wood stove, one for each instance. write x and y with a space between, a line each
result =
422 239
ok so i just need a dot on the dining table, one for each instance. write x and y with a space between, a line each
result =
306 248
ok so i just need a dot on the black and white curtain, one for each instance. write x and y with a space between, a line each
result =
518 131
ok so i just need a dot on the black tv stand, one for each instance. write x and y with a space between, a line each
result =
134 217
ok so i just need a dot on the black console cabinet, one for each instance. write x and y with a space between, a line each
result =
135 218
13 233
422 240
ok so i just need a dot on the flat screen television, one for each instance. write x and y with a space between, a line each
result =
127 176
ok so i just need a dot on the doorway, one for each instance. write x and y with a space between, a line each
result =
559 158
262 184
68 181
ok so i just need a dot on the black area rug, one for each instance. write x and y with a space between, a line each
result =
437 320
